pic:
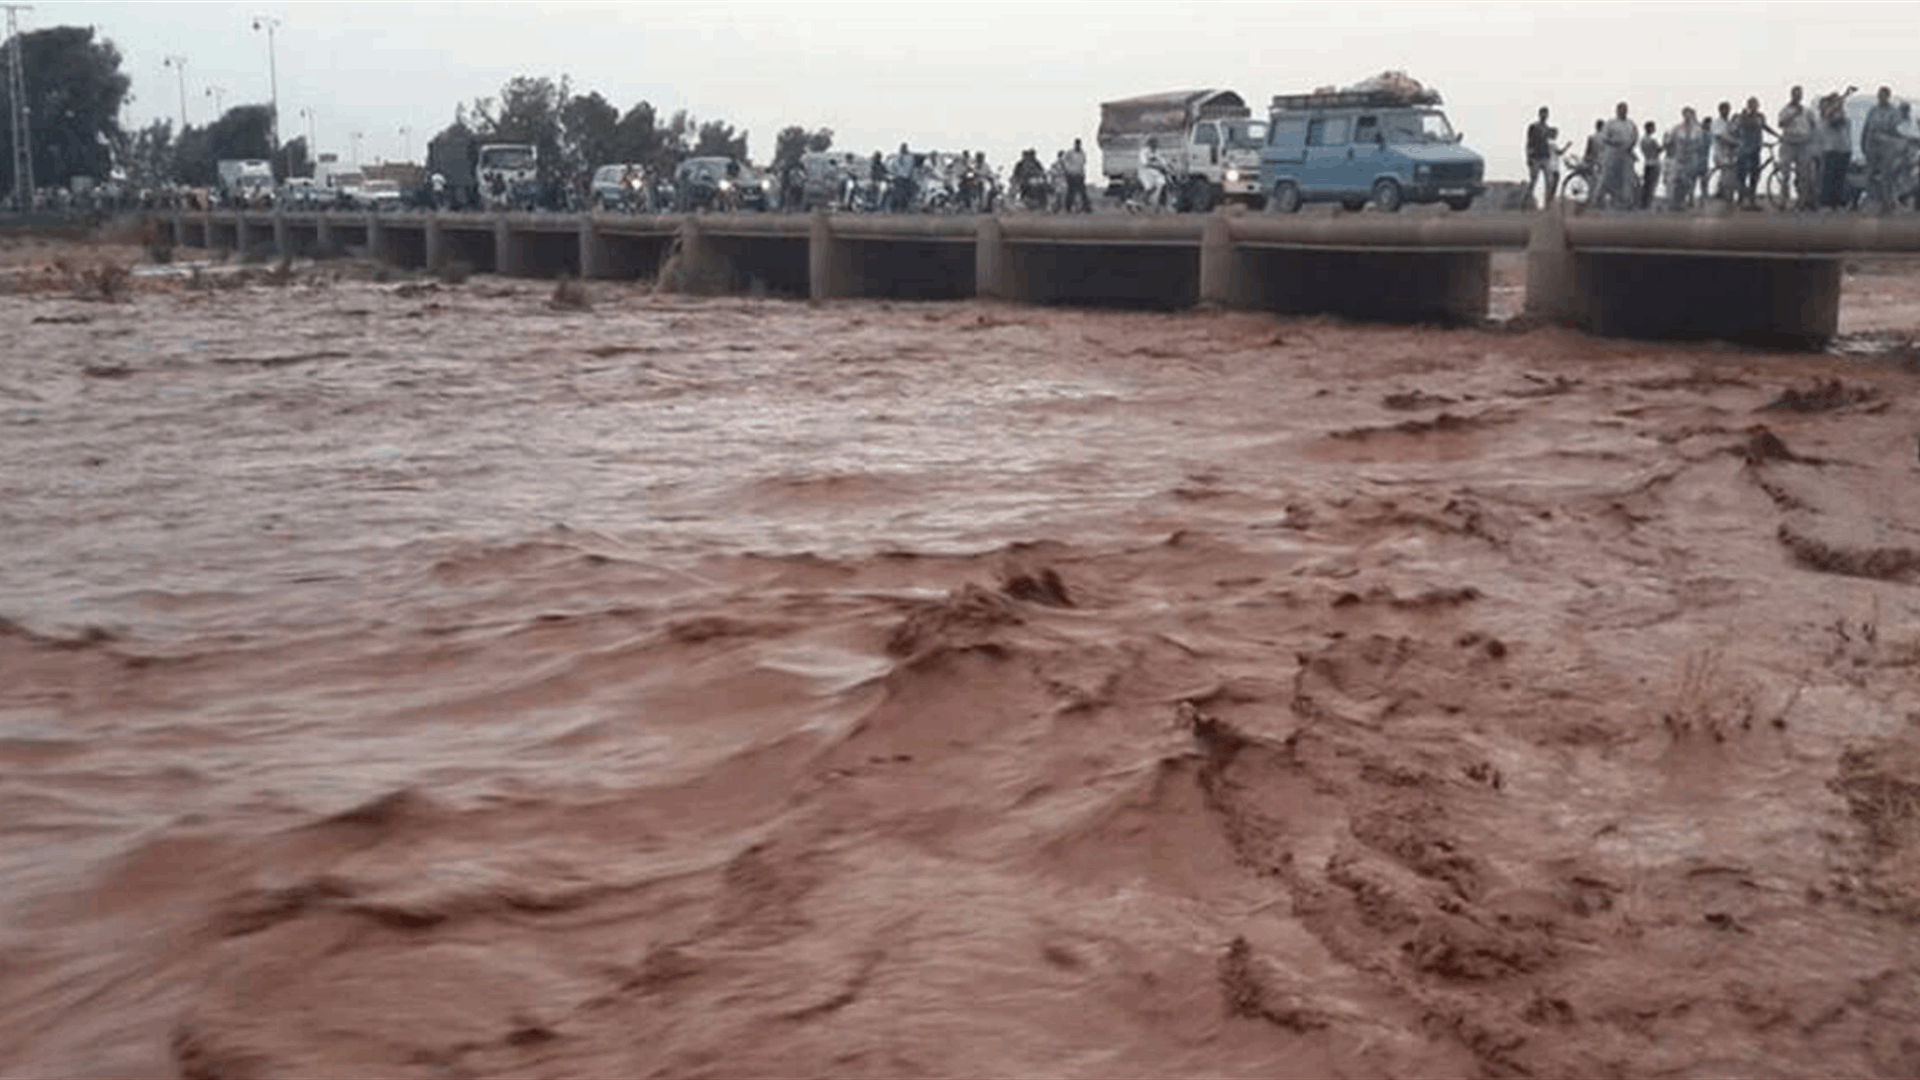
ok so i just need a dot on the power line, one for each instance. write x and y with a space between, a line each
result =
17 96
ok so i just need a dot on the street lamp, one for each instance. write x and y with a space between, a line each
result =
357 136
406 142
270 24
179 65
307 113
219 96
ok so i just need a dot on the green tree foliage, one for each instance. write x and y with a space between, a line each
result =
527 111
717 138
245 131
74 90
575 133
147 154
796 140
589 130
636 138
293 160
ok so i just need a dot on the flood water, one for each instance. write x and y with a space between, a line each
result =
416 680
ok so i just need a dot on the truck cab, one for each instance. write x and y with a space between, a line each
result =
1352 148
1223 154
1207 140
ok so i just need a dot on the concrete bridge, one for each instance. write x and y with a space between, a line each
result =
1770 278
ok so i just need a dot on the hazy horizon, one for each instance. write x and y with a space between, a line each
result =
990 76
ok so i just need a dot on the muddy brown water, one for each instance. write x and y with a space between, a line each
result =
409 680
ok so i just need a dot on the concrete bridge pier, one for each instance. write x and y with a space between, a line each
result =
703 267
992 269
379 243
827 268
282 235
326 244
1224 276
595 260
435 239
506 253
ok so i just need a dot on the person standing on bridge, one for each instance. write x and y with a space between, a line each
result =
1726 153
1617 139
1650 149
1836 151
1750 129
1075 167
1880 141
1543 158
1797 148
902 168
1686 148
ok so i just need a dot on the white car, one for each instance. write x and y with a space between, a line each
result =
380 195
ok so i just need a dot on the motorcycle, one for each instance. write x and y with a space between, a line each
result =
934 195
1036 193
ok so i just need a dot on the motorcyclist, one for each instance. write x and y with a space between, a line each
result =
1153 173
1030 179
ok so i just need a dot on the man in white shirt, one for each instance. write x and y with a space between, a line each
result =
1075 163
1796 147
1686 158
1617 140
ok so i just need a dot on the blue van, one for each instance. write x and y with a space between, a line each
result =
1355 147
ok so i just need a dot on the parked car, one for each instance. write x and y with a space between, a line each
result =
380 195
621 187
1359 146
721 184
826 175
302 193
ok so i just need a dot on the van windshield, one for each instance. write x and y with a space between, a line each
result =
1252 133
507 157
1418 127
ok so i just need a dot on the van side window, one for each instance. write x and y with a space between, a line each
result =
1328 132
1206 135
1367 130
1287 133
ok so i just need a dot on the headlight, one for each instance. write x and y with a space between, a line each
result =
1233 175
766 185
726 185
1422 171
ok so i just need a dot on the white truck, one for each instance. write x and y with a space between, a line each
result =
245 181
1207 141
509 175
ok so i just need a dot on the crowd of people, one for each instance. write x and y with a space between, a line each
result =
1723 157
910 181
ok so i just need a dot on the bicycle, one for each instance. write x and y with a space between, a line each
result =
1580 179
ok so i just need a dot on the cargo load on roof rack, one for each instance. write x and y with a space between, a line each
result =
1386 88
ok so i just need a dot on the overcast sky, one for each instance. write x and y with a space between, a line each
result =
983 74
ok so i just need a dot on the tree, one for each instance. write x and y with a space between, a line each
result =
636 138
796 140
528 111
293 160
718 139
147 154
74 90
244 132
589 130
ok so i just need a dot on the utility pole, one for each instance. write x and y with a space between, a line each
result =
219 96
270 24
17 94
179 65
